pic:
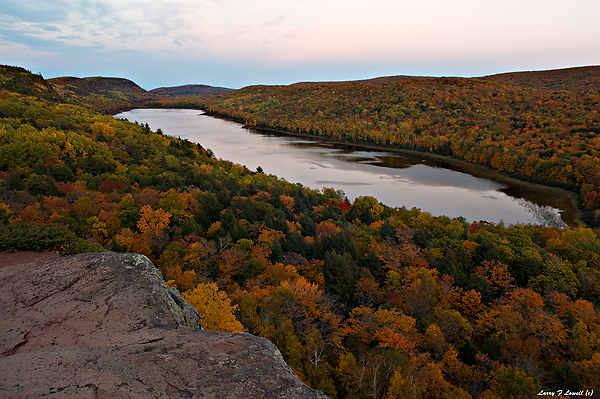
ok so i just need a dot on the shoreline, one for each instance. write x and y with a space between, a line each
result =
560 198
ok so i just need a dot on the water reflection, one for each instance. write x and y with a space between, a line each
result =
544 215
395 179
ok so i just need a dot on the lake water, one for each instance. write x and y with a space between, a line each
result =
394 179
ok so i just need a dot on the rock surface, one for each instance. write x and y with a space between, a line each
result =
105 326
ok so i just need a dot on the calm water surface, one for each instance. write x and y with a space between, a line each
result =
394 179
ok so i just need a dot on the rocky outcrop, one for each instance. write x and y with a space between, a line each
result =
105 326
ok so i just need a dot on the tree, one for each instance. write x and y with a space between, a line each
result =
588 371
85 208
496 273
509 382
420 292
214 307
557 275
340 272
469 304
421 379
367 292
152 222
348 372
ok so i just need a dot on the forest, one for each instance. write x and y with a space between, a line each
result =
548 136
362 300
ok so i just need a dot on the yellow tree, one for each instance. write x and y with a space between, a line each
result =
395 330
5 212
214 307
152 221
421 379
348 372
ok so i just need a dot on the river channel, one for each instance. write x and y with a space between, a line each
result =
395 179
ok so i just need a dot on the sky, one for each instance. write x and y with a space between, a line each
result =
236 43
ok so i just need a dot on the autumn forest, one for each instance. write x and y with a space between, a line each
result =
362 300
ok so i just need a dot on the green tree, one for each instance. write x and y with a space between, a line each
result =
510 382
341 273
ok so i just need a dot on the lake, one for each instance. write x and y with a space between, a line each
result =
395 179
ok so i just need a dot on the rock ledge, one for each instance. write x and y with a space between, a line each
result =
104 325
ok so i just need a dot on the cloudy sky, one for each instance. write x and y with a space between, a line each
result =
235 43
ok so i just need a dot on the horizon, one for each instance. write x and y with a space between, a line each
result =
233 44
313 81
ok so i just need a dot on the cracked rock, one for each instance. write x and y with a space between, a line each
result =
105 325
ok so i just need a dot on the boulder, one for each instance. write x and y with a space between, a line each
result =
104 325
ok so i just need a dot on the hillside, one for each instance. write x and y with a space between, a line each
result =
105 95
97 85
111 95
543 136
189 90
361 300
579 80
20 80
382 79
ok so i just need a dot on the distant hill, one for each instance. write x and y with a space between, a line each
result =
22 81
396 78
584 79
110 95
97 85
580 79
106 95
189 90
382 79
